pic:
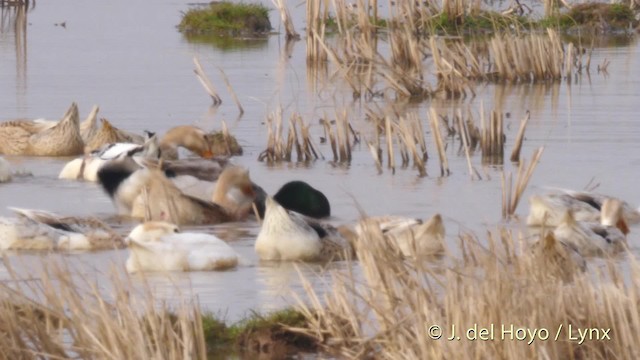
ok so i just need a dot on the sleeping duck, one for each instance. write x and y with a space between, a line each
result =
109 134
41 230
286 235
608 237
160 246
147 193
40 138
410 236
549 209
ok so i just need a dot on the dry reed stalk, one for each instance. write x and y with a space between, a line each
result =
285 16
523 178
206 83
464 135
65 314
515 154
437 137
391 161
492 140
316 20
231 91
408 138
399 307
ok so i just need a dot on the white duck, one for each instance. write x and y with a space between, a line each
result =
160 246
592 239
410 236
41 230
286 235
86 167
549 209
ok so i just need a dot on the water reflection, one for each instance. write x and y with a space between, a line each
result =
226 43
13 19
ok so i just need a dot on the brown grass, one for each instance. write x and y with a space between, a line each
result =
390 308
60 315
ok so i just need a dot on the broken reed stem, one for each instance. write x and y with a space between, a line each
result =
226 137
515 154
375 153
437 136
206 83
465 143
389 135
285 16
231 91
523 179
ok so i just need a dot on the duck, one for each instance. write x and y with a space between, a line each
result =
608 237
189 137
411 237
301 197
5 171
556 258
549 209
161 246
147 193
109 134
37 138
288 236
42 230
86 167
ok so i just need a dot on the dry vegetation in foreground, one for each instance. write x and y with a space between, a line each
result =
61 314
387 313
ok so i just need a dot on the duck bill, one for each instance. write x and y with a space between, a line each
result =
207 154
622 225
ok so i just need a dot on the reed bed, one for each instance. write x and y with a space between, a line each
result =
339 139
505 299
493 138
62 314
403 135
298 139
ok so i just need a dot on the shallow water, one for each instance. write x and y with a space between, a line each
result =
128 58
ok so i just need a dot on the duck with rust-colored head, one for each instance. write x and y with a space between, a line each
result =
606 238
161 246
147 193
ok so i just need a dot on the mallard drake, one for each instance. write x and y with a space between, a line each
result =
5 171
41 230
300 197
86 167
148 193
592 239
160 246
35 138
109 134
410 236
286 235
549 209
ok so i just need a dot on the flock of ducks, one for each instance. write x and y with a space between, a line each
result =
148 181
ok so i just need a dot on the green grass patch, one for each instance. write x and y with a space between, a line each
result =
226 19
597 16
256 333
